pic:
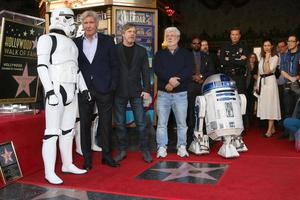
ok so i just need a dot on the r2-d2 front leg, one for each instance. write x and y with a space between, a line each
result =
233 143
200 144
237 140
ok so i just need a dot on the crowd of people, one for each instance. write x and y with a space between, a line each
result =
117 74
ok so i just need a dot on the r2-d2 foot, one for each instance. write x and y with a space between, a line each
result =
200 144
227 150
238 143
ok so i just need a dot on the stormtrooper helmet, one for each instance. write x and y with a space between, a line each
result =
63 19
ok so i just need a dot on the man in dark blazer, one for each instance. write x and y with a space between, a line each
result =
99 65
203 68
134 87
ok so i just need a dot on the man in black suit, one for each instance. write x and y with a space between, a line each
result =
203 68
134 87
99 65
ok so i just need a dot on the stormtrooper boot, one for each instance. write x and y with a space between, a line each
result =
65 146
49 157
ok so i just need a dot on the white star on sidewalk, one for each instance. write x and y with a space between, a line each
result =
186 170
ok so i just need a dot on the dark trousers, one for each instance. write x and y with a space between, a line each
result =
139 119
289 101
251 99
240 82
194 90
104 104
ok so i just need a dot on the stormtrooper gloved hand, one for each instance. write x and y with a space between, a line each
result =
87 95
52 98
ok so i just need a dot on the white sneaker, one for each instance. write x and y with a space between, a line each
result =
161 152
182 151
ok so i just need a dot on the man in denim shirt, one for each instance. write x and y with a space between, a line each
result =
289 65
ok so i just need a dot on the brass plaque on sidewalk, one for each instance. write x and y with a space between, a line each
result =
9 164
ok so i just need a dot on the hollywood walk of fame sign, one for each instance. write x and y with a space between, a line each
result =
18 61
9 164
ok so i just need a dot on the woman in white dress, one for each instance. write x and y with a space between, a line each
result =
267 89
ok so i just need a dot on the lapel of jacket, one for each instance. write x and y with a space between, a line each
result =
80 47
99 42
122 56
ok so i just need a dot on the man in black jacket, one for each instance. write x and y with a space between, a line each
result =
134 87
233 59
99 65
203 68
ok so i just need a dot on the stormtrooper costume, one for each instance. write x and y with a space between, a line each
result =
60 76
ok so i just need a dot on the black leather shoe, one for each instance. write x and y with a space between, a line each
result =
87 167
147 157
110 162
121 156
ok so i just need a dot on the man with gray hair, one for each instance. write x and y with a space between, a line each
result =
100 69
173 67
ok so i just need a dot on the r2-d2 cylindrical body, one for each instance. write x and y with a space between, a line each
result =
223 115
222 108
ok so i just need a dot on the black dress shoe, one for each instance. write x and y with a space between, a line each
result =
121 156
147 157
87 167
110 162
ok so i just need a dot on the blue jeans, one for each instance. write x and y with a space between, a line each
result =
178 103
139 118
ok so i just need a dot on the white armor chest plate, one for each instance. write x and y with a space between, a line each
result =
64 65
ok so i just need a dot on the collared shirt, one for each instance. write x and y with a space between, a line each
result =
289 63
197 59
280 80
197 56
90 47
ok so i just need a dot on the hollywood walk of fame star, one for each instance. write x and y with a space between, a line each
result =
7 156
186 170
61 193
24 81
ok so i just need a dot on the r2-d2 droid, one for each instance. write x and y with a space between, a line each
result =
222 108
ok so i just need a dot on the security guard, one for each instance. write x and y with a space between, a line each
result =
233 60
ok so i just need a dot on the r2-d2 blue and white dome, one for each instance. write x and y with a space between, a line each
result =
222 107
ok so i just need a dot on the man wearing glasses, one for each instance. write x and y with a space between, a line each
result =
289 65
173 69
202 69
